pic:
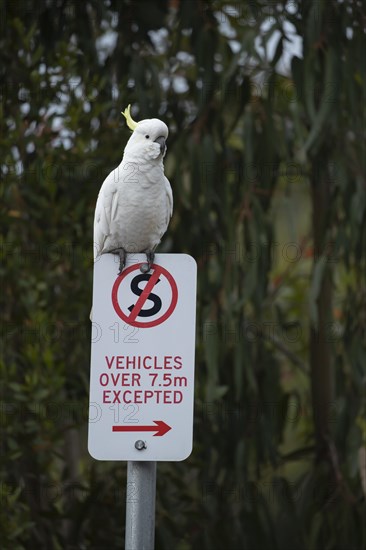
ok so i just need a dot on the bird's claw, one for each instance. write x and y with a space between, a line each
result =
145 267
122 258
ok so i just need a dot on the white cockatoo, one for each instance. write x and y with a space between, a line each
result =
135 202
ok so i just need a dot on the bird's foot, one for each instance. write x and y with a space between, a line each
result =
145 268
122 258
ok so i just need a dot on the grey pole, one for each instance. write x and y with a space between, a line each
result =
140 505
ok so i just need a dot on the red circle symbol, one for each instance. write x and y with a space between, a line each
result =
130 319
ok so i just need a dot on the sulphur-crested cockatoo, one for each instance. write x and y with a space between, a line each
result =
135 202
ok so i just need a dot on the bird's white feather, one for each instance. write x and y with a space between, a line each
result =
135 202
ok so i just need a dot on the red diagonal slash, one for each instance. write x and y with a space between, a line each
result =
145 294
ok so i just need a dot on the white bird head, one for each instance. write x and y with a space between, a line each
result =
148 137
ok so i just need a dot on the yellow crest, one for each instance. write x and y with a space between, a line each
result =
127 114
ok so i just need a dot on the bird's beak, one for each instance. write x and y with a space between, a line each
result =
161 141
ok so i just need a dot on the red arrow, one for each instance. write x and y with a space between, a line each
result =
161 428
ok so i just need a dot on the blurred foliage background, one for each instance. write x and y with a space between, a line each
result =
265 101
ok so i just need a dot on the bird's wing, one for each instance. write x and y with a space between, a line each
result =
105 211
163 221
169 195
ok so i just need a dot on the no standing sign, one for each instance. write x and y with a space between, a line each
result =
142 359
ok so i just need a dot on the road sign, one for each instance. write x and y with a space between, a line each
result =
142 359
136 315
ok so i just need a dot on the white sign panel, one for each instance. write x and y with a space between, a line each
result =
142 358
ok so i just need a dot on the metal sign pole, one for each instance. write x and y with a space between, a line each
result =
140 505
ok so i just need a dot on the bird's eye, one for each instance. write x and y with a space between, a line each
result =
147 137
